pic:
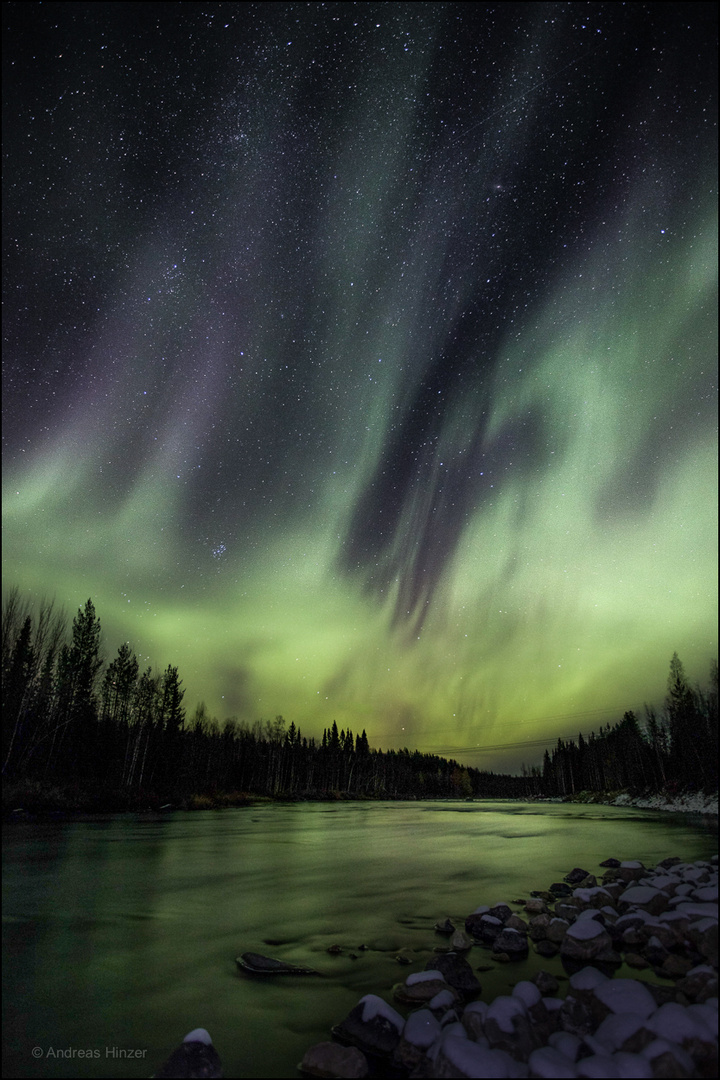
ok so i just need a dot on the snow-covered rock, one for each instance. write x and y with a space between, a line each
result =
421 1030
512 942
586 939
196 1056
372 1026
604 1026
459 1057
456 972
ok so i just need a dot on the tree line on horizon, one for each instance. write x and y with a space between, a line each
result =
125 733
674 750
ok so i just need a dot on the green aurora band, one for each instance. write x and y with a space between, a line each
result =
585 557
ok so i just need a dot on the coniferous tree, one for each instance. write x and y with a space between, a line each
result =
16 688
118 687
85 660
683 724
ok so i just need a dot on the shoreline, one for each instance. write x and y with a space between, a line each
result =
31 800
687 803
661 919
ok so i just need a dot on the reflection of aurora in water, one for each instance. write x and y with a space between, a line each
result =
351 404
314 873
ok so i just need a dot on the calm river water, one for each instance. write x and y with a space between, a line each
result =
120 933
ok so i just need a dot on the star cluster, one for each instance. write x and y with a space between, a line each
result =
360 358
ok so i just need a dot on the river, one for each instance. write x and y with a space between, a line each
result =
120 932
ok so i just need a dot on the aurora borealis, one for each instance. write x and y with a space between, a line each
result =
360 359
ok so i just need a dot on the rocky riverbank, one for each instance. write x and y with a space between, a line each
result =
660 921
693 802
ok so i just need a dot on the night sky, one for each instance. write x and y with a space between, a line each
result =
360 359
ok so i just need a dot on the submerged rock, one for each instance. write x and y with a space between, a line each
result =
460 941
267 965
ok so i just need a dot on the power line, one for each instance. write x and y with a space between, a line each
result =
548 741
529 744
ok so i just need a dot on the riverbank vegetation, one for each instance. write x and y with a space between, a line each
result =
81 733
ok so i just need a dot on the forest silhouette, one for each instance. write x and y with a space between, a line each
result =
82 734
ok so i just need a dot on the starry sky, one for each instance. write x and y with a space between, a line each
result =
360 359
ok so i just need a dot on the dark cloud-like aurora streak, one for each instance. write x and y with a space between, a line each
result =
360 358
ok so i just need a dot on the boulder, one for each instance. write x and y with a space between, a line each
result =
620 997
628 1032
654 901
331 1059
500 911
594 896
575 876
372 1026
196 1056
508 1027
511 942
548 949
586 939
700 983
473 1019
461 941
665 864
456 972
635 960
556 930
537 927
420 987
630 871
473 923
459 1057
704 936
668 1059
488 928
547 1061
420 1032
545 982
